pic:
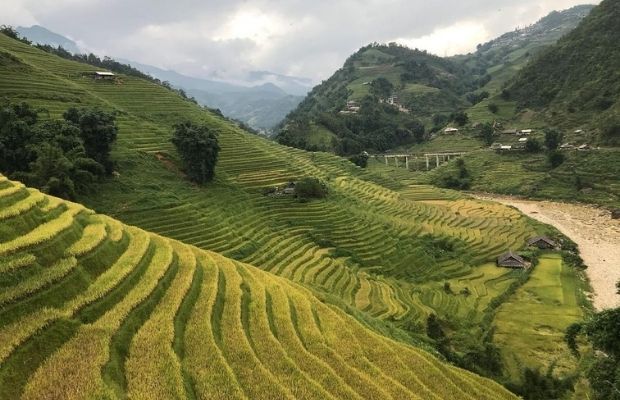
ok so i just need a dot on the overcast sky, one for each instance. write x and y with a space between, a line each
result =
309 38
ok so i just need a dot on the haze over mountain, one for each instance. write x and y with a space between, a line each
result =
262 100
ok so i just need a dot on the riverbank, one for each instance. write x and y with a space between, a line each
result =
596 234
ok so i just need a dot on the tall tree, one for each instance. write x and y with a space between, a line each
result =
199 148
98 130
553 138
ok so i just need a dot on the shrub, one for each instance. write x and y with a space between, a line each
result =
493 108
310 188
555 158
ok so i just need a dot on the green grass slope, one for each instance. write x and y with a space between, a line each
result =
377 246
92 308
576 82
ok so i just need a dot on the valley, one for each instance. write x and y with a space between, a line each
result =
397 281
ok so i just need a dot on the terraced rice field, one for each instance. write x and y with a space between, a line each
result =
91 308
371 244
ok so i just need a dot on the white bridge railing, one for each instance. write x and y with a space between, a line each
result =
441 157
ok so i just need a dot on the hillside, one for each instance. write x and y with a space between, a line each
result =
424 85
260 105
503 57
430 88
92 308
377 247
577 81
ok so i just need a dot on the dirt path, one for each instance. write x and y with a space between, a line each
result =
596 234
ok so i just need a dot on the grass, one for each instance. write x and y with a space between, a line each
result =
364 249
148 334
533 321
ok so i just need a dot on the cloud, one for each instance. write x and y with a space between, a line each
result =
231 38
450 40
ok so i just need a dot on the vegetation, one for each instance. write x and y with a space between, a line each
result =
376 248
577 78
198 148
310 188
62 157
126 317
603 365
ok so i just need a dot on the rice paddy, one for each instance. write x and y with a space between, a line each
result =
378 245
143 316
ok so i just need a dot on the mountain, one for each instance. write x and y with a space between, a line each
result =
261 106
40 35
394 256
102 309
578 78
503 57
262 103
431 88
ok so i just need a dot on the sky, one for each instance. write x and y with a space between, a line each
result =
226 39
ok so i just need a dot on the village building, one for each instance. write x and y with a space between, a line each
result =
511 260
102 75
352 107
509 132
289 189
584 147
567 146
542 242
525 132
450 130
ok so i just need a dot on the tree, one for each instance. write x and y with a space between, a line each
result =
381 88
198 148
493 108
487 133
555 158
361 160
461 118
310 188
553 139
98 131
602 331
533 146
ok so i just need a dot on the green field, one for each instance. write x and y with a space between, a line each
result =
378 247
533 321
91 308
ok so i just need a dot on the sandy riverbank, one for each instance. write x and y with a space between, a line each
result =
596 234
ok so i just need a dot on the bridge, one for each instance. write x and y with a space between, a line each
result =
439 158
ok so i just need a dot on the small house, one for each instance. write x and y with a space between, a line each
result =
509 132
542 242
511 260
450 130
103 75
524 132
584 147
289 188
522 140
567 146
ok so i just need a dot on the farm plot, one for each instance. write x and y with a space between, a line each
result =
121 312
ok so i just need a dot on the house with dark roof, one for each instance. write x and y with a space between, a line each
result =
511 260
542 242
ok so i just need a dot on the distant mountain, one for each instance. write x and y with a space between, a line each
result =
501 58
428 89
40 35
262 104
577 79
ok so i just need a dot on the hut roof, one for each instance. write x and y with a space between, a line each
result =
511 259
537 239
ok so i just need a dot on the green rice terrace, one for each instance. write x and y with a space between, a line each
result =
92 308
82 293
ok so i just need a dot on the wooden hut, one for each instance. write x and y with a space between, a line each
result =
542 242
511 260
